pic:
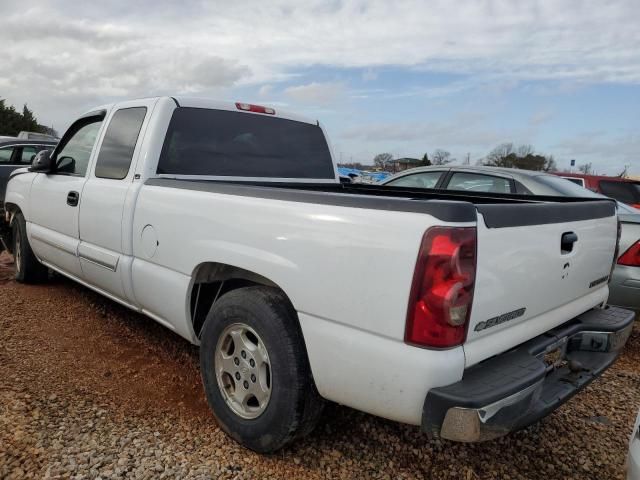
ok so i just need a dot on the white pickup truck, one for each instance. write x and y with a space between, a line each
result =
468 314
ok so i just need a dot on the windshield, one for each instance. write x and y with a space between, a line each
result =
566 187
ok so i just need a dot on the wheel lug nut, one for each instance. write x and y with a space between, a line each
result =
236 361
244 354
252 362
246 384
237 375
253 378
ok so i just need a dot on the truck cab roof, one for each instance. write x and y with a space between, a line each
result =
201 102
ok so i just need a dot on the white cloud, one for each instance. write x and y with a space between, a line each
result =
316 93
62 56
265 90
609 153
540 118
464 131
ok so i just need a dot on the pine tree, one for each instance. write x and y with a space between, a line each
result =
13 122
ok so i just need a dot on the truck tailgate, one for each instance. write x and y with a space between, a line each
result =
539 265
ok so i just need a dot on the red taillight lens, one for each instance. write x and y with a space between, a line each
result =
248 107
631 257
442 289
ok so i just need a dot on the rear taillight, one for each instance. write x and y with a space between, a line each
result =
249 107
631 257
442 288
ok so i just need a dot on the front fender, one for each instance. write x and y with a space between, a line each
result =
18 190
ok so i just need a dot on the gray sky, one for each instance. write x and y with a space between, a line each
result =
402 76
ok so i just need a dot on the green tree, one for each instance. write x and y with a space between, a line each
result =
13 122
29 122
425 161
507 155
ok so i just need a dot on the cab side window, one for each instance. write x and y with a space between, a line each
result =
73 156
116 152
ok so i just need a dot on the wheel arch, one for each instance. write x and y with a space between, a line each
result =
211 280
6 228
10 211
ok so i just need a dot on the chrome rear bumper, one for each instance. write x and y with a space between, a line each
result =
517 388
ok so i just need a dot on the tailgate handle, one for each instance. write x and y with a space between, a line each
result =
568 239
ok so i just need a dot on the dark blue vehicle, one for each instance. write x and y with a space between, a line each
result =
18 153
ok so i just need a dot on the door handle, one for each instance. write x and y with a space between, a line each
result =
567 241
73 198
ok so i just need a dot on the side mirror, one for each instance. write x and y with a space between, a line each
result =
42 162
66 165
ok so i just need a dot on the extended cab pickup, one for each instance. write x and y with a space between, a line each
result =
471 315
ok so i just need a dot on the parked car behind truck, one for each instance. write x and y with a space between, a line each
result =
17 153
226 223
624 190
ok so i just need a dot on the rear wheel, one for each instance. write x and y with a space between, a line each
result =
255 369
27 267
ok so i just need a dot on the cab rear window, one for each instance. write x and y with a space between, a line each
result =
235 144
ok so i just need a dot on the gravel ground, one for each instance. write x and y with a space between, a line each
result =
91 390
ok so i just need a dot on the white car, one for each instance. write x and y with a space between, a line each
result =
467 315
633 461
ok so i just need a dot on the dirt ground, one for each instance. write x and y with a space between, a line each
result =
89 389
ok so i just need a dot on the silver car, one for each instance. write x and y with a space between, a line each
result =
625 281
633 459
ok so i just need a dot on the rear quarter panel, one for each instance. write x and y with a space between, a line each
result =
350 265
347 272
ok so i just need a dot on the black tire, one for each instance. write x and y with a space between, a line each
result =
27 267
295 405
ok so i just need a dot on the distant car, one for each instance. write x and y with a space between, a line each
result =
37 136
633 460
16 153
625 281
622 189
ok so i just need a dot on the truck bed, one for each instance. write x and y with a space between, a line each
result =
526 281
501 210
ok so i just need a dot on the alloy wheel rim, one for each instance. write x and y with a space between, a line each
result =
243 371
